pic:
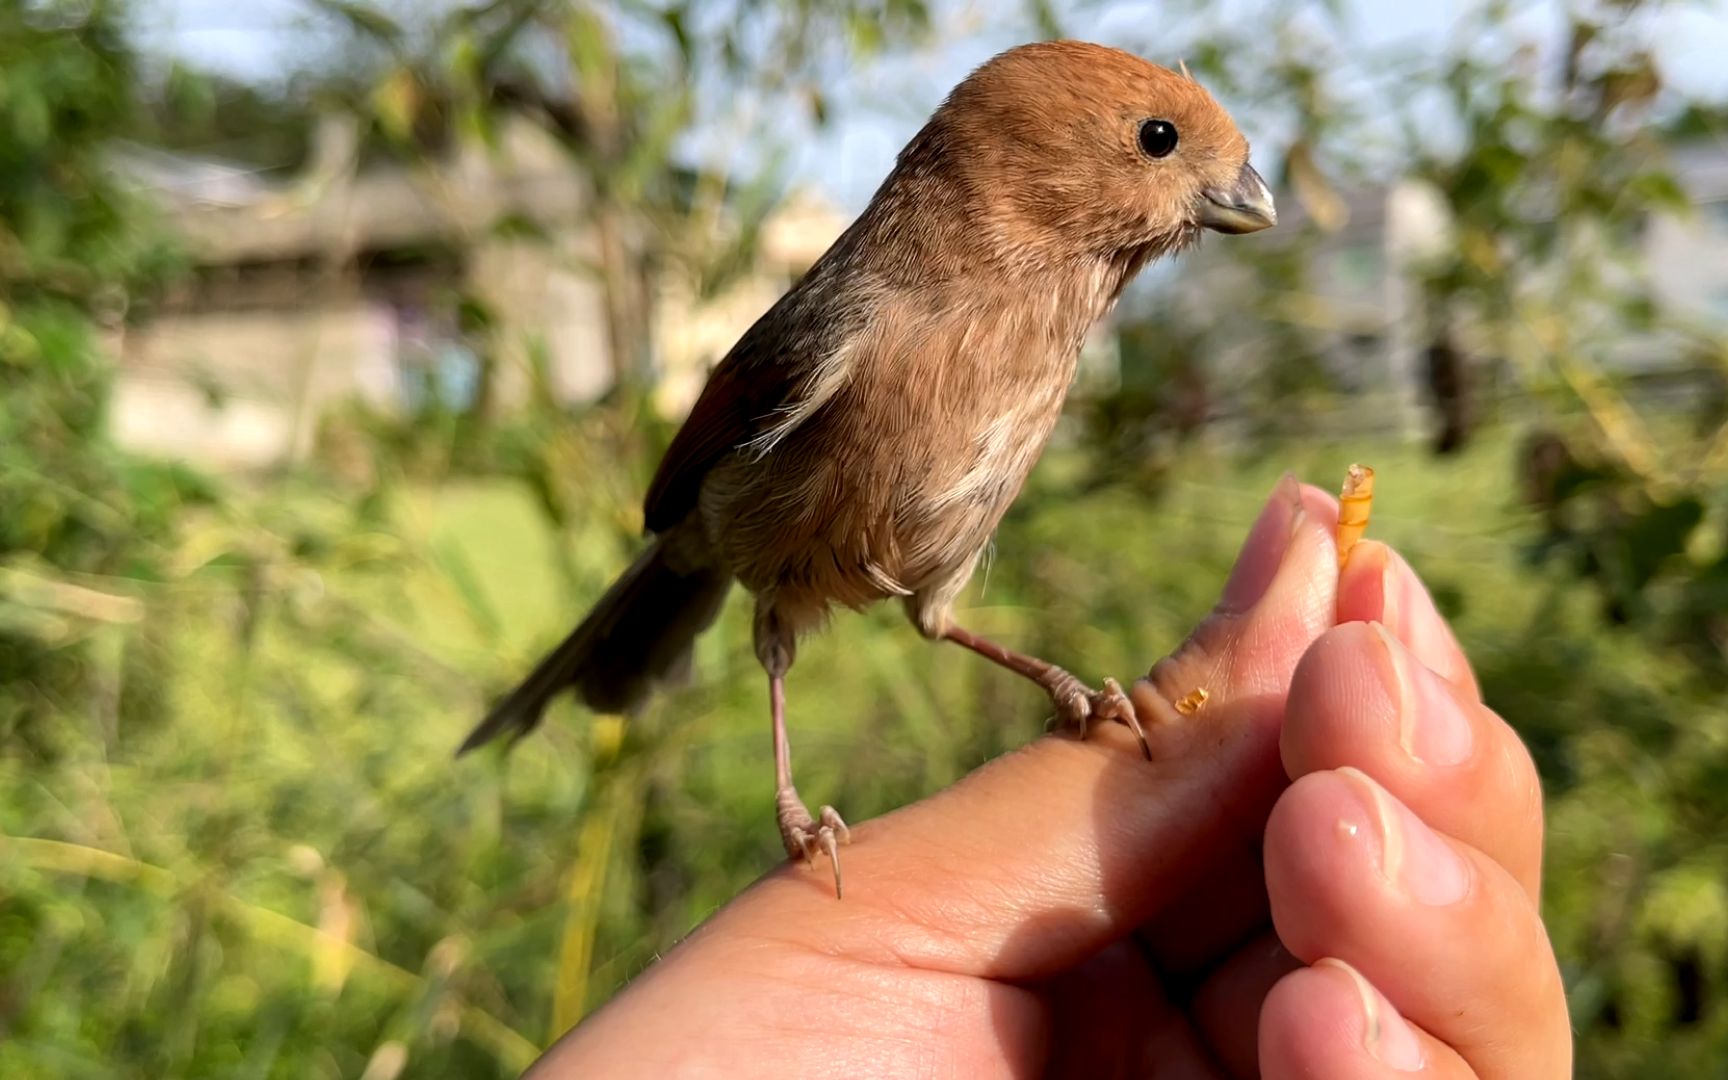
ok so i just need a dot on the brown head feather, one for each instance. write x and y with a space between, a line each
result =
1041 146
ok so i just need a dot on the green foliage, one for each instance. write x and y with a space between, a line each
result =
69 233
80 522
232 840
627 92
1609 649
1552 195
300 859
201 113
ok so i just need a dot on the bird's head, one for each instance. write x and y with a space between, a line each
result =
1077 149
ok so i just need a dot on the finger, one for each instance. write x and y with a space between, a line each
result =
1227 1006
1360 698
1440 928
1226 906
1040 858
1110 1017
1377 585
1096 1011
1227 899
1327 1020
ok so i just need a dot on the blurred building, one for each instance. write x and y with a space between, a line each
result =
347 283
1364 304
338 284
1689 257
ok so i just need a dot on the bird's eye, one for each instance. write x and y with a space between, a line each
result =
1157 138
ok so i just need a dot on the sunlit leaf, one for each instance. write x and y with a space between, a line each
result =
396 104
1313 190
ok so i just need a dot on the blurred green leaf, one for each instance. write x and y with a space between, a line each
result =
365 18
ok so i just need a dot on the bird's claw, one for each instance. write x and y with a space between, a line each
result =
1078 706
805 836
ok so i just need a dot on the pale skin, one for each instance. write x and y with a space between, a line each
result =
1332 869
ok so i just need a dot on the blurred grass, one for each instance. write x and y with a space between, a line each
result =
280 871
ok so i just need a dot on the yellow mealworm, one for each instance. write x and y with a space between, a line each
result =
1354 503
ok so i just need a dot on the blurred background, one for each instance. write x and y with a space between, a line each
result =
338 340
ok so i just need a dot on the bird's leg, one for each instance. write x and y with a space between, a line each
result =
802 834
1077 704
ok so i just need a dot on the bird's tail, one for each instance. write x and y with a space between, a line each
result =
638 635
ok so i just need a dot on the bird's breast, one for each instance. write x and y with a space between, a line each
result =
1003 439
898 480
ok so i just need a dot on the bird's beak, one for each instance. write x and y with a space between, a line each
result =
1243 207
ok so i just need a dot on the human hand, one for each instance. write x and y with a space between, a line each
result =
1070 909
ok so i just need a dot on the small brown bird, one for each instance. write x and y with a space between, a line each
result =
862 440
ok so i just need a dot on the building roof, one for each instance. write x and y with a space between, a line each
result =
229 213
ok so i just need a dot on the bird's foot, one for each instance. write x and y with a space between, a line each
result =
805 836
1078 706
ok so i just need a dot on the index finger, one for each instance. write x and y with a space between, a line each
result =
1400 704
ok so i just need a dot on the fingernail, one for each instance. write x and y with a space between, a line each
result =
1432 728
1409 612
1410 855
1263 552
1387 1037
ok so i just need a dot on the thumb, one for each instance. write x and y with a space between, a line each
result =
1040 858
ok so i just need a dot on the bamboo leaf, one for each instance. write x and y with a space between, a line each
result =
364 18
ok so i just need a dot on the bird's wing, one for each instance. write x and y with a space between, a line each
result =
780 373
728 414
